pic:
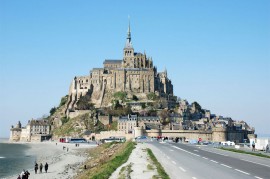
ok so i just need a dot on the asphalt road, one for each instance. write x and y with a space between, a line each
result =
199 162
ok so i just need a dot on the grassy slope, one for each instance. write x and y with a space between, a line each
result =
103 166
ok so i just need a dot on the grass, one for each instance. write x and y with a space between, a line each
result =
150 167
160 169
245 152
105 170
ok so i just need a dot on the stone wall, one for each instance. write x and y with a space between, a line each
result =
188 134
105 120
107 134
77 113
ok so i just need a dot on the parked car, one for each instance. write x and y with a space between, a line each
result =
229 143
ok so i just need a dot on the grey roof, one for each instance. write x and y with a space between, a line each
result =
112 61
148 118
97 69
137 54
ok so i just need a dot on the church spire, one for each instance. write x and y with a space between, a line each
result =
128 41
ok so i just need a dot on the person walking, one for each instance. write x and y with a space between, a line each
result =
253 146
27 174
267 148
40 168
23 174
46 167
36 168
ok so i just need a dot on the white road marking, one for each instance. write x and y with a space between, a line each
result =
196 150
194 178
168 157
215 153
225 165
171 150
186 151
214 161
255 162
242 171
182 169
174 162
205 158
258 177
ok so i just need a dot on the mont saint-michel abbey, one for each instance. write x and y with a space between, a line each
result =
134 74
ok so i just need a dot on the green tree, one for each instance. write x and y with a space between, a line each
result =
63 100
152 96
120 95
53 110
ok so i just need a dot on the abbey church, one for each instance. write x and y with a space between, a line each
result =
135 74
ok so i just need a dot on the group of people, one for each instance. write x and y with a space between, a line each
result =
41 167
24 175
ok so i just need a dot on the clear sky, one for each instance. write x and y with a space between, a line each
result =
216 52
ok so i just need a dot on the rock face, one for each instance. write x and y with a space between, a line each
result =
134 74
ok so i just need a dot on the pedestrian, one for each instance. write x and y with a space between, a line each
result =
23 174
46 167
27 174
19 177
40 168
36 168
267 148
253 146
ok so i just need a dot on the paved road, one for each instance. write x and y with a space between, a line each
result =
197 162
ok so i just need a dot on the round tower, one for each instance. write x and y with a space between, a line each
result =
219 134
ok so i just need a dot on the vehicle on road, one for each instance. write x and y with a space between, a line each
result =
113 139
229 143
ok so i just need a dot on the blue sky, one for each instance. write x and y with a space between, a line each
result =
216 52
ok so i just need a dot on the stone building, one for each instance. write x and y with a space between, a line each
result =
130 122
135 74
35 130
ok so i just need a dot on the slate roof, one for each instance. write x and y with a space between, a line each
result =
112 61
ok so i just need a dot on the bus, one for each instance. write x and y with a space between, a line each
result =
114 139
72 140
77 140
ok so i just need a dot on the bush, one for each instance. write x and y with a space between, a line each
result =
63 100
53 110
64 120
152 96
120 95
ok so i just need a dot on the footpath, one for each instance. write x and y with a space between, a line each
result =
138 166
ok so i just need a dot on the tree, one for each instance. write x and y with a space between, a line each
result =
63 100
152 96
53 110
120 95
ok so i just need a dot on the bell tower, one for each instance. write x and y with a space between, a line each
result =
128 60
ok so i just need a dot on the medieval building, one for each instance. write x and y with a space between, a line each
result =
134 74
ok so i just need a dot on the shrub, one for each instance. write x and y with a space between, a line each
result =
152 96
120 95
63 100
53 110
